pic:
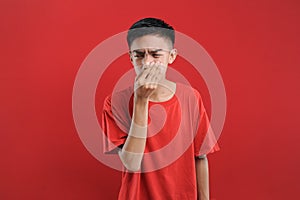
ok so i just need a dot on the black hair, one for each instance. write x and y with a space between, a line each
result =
150 26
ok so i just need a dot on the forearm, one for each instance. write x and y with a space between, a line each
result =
202 174
134 146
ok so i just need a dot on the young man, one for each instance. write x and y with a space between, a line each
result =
147 143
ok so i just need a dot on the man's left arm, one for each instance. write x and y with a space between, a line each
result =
202 176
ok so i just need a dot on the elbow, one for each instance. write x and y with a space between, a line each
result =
131 161
132 167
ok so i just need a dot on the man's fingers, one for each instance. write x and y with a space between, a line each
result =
150 77
151 66
156 74
145 73
140 79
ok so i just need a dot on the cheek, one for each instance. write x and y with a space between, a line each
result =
137 69
164 71
164 61
137 63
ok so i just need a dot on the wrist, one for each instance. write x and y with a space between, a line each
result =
140 111
141 101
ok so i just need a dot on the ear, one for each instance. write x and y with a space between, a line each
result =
173 55
130 57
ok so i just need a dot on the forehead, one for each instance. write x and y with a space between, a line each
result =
151 42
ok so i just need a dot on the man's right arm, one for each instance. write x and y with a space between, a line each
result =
132 152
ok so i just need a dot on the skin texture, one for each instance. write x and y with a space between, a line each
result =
202 174
153 82
151 85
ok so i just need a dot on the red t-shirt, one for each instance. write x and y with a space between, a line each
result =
178 131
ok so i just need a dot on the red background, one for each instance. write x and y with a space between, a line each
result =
254 43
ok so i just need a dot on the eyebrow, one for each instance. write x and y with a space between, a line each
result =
150 51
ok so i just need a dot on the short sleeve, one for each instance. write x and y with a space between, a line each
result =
114 126
205 141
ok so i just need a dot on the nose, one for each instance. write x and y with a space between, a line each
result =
147 58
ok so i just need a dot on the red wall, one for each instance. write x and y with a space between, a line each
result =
255 44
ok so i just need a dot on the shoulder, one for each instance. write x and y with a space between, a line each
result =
187 91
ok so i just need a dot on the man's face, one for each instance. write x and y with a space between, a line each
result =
151 48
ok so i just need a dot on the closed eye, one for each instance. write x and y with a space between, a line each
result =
139 55
156 55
